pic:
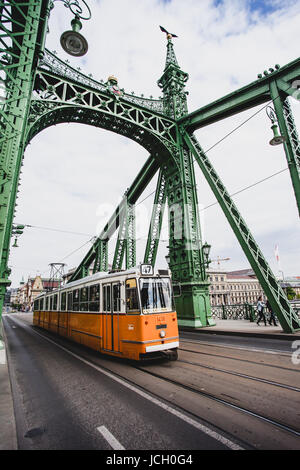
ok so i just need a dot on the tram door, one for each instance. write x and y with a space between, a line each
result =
111 308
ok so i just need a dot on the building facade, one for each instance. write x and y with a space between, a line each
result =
28 291
235 287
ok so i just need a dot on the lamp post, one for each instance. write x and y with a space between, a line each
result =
277 138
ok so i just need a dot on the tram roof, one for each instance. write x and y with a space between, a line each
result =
97 277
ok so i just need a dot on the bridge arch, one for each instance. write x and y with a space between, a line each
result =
46 114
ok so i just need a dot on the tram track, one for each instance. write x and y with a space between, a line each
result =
257 379
236 348
214 398
236 444
263 364
120 369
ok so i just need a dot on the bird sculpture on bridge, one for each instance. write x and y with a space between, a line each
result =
169 35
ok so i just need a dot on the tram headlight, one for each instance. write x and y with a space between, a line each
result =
162 334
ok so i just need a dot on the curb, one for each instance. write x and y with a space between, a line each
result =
281 336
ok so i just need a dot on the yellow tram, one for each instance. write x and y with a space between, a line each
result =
127 314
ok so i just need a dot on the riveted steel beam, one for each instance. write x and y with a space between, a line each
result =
156 220
21 26
254 94
126 243
288 130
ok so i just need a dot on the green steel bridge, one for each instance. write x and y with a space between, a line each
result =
41 91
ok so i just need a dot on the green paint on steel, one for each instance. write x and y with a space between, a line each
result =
287 317
21 29
156 220
288 130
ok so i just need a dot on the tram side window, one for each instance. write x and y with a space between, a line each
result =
117 297
76 300
94 298
55 302
51 303
106 299
63 301
132 304
84 299
47 303
70 301
36 305
42 304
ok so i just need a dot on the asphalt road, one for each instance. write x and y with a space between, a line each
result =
63 401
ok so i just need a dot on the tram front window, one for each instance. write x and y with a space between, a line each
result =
155 295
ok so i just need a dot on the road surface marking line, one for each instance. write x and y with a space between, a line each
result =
113 442
192 422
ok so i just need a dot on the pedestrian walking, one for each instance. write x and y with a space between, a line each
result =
260 310
272 316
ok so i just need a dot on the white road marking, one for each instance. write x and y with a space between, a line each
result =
113 442
227 442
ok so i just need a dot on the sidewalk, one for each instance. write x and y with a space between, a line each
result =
245 328
8 437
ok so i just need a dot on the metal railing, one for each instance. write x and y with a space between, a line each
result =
240 312
233 312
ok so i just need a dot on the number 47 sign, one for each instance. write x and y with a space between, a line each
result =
146 270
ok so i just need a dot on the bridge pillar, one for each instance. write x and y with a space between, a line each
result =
185 246
18 64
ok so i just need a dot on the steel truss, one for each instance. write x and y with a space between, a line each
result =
41 91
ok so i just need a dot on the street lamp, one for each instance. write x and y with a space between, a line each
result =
168 259
277 138
17 230
72 41
205 251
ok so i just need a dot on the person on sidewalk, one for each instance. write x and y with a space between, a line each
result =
260 310
272 316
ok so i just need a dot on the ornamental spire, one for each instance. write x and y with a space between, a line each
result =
171 57
172 82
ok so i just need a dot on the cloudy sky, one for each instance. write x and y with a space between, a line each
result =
75 175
